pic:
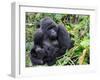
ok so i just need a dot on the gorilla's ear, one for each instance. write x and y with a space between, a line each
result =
64 37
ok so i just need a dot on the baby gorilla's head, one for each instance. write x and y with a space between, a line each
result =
40 52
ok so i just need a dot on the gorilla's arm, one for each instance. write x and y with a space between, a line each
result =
63 37
38 37
37 53
64 40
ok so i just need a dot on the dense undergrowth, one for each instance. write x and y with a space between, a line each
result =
76 25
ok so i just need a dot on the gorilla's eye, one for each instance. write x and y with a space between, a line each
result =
51 26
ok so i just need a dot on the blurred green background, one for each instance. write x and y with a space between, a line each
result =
78 27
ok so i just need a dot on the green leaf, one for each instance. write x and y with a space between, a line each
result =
85 43
58 16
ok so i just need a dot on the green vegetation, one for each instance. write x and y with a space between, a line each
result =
76 25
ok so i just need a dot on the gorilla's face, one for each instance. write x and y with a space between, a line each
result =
52 34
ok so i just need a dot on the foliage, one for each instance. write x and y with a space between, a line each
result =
76 25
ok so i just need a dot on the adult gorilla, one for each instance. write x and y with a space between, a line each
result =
50 41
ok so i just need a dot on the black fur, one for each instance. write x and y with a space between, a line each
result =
51 40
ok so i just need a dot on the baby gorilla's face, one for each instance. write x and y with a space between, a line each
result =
40 52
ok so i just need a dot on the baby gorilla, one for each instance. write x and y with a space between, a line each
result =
50 41
44 54
50 49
